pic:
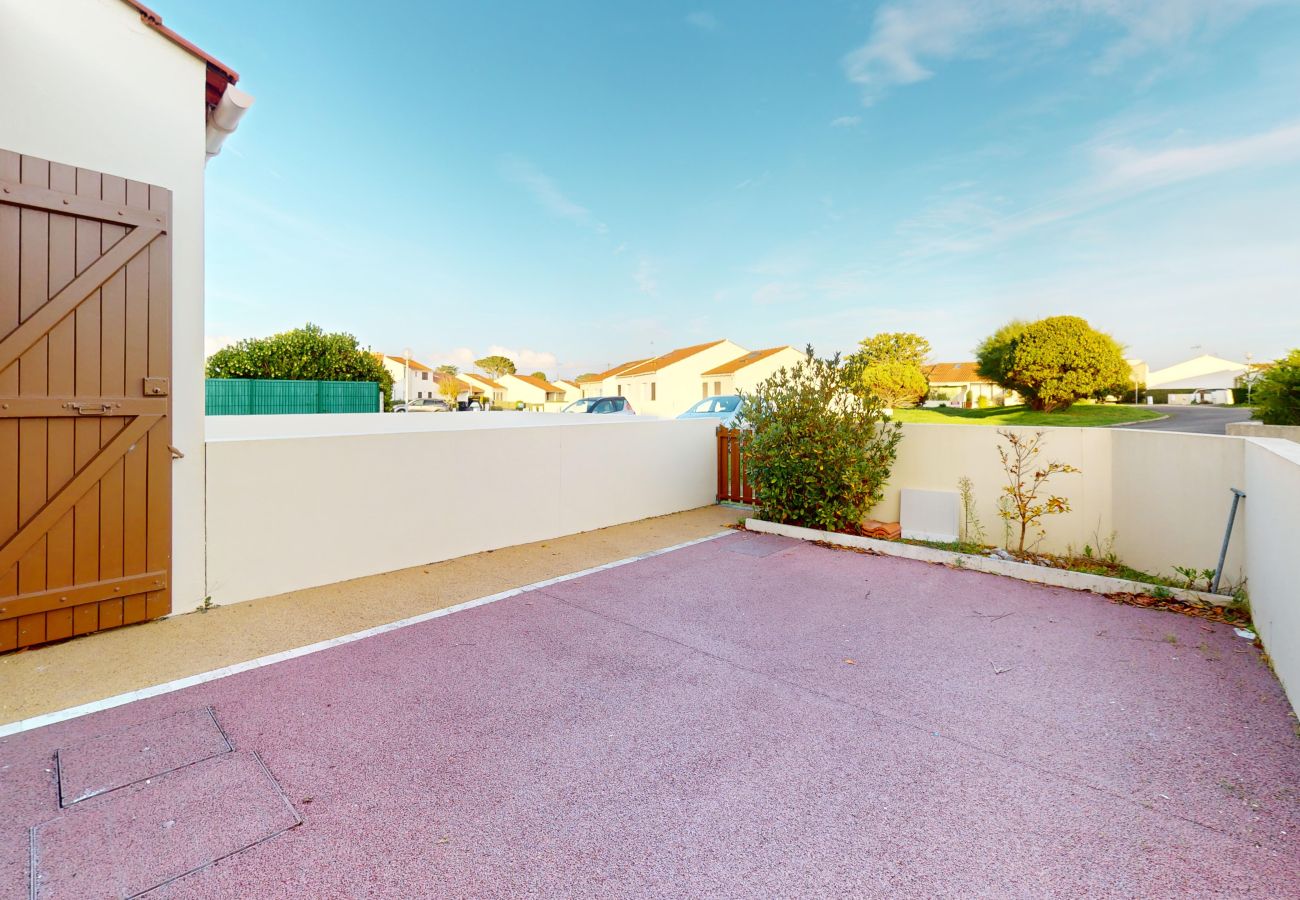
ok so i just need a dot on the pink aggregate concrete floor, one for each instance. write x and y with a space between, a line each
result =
750 716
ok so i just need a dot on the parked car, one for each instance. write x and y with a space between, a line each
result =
423 404
601 406
724 408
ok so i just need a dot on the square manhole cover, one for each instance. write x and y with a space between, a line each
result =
133 754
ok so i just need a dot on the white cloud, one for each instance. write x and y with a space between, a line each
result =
703 20
845 121
548 194
1126 167
526 360
645 278
910 37
213 343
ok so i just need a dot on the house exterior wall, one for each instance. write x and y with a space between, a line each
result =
677 386
1199 372
104 92
422 383
273 529
494 395
517 389
754 374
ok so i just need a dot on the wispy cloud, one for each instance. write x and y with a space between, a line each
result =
845 121
646 278
548 194
703 20
911 37
1127 167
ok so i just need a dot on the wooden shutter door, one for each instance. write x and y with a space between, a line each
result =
85 405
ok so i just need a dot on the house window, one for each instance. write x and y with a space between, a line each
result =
620 390
424 376
652 390
717 388
704 395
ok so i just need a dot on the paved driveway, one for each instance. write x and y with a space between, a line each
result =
748 716
1193 419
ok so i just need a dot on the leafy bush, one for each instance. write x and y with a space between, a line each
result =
817 446
1020 504
1054 362
1276 394
303 354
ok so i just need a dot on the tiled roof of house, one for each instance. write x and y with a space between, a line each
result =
748 359
610 373
416 365
955 373
485 380
539 383
672 356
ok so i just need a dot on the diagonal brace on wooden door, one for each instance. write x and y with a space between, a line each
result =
36 527
61 305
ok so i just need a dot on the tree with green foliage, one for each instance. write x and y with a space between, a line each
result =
496 366
896 383
817 447
586 375
892 346
541 375
303 354
449 387
889 365
1276 394
448 370
1054 361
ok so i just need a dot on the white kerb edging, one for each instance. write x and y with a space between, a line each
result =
1065 578
85 709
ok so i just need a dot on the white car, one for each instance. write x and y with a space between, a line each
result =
423 404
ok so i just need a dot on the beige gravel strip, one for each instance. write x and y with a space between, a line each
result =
103 665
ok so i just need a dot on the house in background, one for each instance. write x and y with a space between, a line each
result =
603 384
1201 379
744 373
419 384
667 385
533 393
572 390
492 391
961 384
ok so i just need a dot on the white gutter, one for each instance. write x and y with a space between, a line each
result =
224 119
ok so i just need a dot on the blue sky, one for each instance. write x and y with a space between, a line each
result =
582 183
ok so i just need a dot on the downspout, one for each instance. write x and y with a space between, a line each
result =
224 118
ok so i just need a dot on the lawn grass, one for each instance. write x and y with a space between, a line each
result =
1078 416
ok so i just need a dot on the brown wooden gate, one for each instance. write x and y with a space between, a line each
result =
85 406
733 477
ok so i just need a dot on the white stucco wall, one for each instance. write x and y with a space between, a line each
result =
84 82
1272 513
298 501
1164 496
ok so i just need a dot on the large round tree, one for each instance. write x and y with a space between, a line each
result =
1054 361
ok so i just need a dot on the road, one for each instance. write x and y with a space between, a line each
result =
1193 419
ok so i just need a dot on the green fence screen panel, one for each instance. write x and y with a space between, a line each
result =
267 397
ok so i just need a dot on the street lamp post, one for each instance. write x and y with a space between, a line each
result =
406 389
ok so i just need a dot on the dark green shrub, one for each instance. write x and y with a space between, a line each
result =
303 354
1276 395
817 447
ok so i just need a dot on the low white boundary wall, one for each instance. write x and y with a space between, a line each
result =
301 501
1164 496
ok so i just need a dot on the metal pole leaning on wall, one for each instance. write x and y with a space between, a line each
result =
1227 536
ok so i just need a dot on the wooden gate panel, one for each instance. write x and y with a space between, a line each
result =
85 462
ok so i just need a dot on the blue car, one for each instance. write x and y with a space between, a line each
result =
724 408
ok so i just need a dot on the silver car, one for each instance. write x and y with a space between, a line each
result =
601 406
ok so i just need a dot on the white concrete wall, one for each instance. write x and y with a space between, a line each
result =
1163 495
1259 429
299 501
84 82
1272 513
